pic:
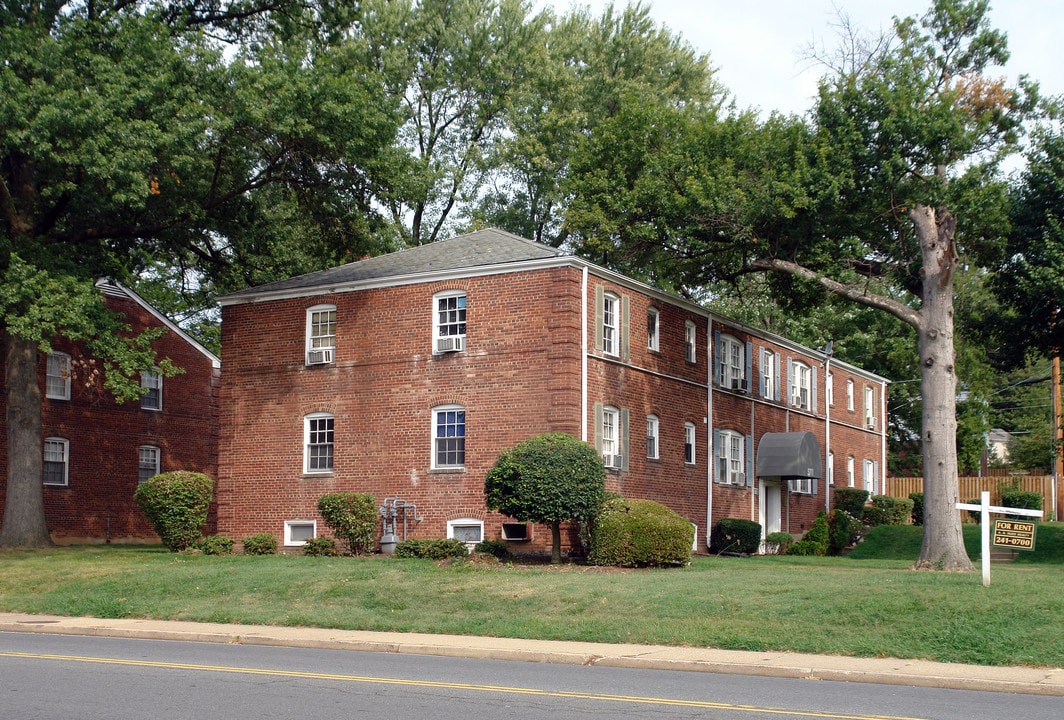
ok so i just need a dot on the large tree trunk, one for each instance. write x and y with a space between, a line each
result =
943 544
24 521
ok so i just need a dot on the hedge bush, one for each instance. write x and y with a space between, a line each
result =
320 547
639 533
918 507
735 535
851 500
498 548
176 505
438 549
896 511
260 544
816 539
779 542
352 518
216 545
1014 497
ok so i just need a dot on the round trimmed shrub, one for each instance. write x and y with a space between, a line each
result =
735 535
639 533
216 545
260 544
352 518
176 505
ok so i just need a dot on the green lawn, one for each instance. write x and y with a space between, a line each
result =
847 606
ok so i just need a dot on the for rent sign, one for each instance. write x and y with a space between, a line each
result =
1014 534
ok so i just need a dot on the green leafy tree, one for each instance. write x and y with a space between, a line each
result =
129 136
549 479
874 201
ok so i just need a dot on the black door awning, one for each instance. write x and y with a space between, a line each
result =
789 455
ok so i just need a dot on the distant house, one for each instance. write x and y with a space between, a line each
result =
405 376
97 451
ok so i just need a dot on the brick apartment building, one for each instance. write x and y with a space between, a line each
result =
96 451
406 375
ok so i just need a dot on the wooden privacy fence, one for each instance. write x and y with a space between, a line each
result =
972 487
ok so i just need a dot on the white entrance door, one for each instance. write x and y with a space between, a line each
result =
770 502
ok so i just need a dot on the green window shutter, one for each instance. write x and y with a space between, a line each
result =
762 357
598 428
776 390
749 461
714 457
600 298
749 367
626 335
812 390
625 448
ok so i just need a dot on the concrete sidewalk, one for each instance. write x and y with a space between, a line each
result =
890 671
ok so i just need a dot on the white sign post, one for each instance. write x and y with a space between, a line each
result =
985 509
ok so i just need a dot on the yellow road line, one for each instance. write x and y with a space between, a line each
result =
473 687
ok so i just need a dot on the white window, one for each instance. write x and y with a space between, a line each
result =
802 485
609 433
870 408
57 386
829 389
849 395
652 329
610 340
731 458
801 386
849 471
297 532
652 437
871 479
318 430
769 368
56 461
732 359
689 340
449 321
321 334
689 443
148 462
448 436
153 398
468 530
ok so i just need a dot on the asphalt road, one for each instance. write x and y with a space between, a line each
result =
62 677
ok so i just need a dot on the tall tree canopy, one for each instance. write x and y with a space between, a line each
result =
126 134
875 200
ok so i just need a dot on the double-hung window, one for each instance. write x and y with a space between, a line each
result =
730 355
609 434
449 321
801 386
652 437
731 458
870 408
689 342
318 438
849 395
610 339
56 461
57 386
148 462
448 436
152 399
652 329
689 443
321 334
769 374
871 477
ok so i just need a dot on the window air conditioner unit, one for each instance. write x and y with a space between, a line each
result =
740 478
319 357
738 385
516 531
871 423
451 343
614 462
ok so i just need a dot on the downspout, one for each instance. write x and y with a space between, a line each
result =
583 354
709 430
829 397
883 437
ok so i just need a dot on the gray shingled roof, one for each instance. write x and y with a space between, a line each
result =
484 247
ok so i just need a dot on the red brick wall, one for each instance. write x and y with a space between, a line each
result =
104 437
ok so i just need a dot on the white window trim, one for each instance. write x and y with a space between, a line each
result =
65 445
452 525
434 462
611 332
689 441
801 389
153 380
306 443
63 360
653 426
324 342
871 478
157 452
829 388
803 486
850 479
736 465
690 341
289 525
869 407
610 431
438 327
768 373
653 329
732 354
849 395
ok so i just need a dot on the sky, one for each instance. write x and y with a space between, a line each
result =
757 45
